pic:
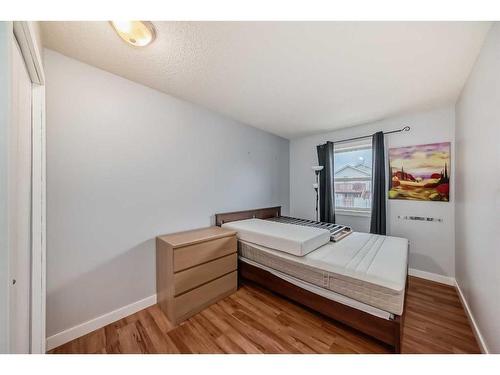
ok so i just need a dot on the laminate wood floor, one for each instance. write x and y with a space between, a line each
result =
254 320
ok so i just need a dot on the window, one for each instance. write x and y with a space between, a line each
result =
353 176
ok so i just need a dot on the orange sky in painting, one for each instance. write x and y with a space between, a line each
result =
421 160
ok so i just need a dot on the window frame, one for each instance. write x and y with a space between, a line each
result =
349 146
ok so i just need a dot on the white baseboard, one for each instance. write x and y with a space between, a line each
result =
99 322
475 327
432 276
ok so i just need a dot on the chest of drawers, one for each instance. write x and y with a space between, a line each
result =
195 269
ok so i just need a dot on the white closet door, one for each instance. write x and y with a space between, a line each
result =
20 159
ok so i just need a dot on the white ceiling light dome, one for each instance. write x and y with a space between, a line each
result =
136 33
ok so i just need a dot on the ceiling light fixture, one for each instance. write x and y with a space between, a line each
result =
136 33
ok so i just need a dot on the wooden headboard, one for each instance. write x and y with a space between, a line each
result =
259 213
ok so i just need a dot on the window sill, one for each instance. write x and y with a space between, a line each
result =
347 212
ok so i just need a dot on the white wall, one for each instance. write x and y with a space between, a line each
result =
431 244
478 191
5 104
126 163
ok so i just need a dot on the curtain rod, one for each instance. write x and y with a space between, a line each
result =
405 129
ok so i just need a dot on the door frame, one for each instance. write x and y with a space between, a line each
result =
25 36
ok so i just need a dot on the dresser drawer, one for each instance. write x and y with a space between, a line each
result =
190 303
193 255
195 269
192 277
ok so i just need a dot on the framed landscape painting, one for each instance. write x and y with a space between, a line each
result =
420 172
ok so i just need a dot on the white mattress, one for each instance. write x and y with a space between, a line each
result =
293 239
365 267
323 292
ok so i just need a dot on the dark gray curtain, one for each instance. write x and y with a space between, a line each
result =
326 187
377 224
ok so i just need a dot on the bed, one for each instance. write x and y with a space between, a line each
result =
359 280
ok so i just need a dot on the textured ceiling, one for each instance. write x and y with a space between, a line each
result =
289 78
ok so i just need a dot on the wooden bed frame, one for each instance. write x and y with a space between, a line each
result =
386 331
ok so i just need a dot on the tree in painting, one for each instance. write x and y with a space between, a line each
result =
420 172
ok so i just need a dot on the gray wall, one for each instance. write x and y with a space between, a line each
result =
478 191
5 103
431 244
126 163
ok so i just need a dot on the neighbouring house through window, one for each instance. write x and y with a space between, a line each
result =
353 175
